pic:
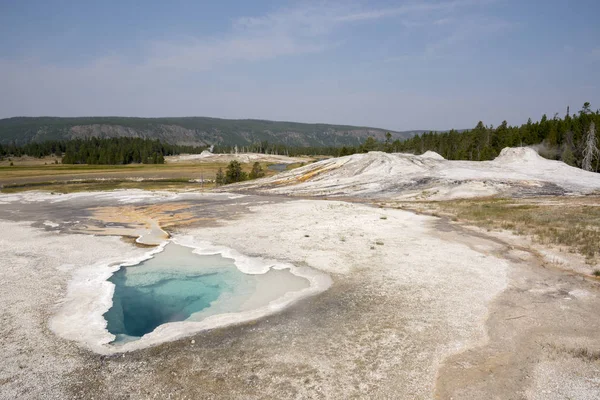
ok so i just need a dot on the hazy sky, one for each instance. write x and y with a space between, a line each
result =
391 64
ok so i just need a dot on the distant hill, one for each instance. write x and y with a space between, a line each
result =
189 131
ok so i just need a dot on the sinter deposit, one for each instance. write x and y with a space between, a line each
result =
515 172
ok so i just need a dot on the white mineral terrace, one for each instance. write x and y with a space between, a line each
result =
430 176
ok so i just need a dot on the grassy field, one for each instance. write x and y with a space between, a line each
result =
43 174
573 224
97 185
27 161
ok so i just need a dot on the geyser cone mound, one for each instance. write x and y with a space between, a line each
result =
516 172
520 154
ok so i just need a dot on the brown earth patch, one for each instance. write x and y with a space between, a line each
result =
132 221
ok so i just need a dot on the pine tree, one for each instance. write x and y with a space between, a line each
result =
257 171
388 141
369 145
234 172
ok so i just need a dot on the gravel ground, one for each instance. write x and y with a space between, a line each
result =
417 310
36 268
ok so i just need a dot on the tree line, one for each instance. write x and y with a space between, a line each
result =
567 139
572 138
110 151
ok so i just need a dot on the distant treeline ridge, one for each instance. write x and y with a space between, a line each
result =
573 139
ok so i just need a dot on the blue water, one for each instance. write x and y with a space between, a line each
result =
170 287
278 167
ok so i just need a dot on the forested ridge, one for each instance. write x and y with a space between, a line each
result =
196 131
572 138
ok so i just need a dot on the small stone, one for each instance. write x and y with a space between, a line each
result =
193 341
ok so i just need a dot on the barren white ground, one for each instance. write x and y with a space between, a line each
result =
207 157
447 285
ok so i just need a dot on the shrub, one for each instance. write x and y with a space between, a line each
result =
234 173
257 171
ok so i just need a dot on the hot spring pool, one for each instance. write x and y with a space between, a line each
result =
178 285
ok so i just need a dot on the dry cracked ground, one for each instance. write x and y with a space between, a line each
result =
420 307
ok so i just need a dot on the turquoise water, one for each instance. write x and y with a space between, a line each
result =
170 287
178 285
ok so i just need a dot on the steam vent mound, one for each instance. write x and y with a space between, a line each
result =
516 172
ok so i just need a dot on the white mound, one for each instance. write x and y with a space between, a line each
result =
206 153
515 172
519 154
432 155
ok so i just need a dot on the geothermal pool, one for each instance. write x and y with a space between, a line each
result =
179 285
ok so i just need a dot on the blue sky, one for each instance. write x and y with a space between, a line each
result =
399 65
